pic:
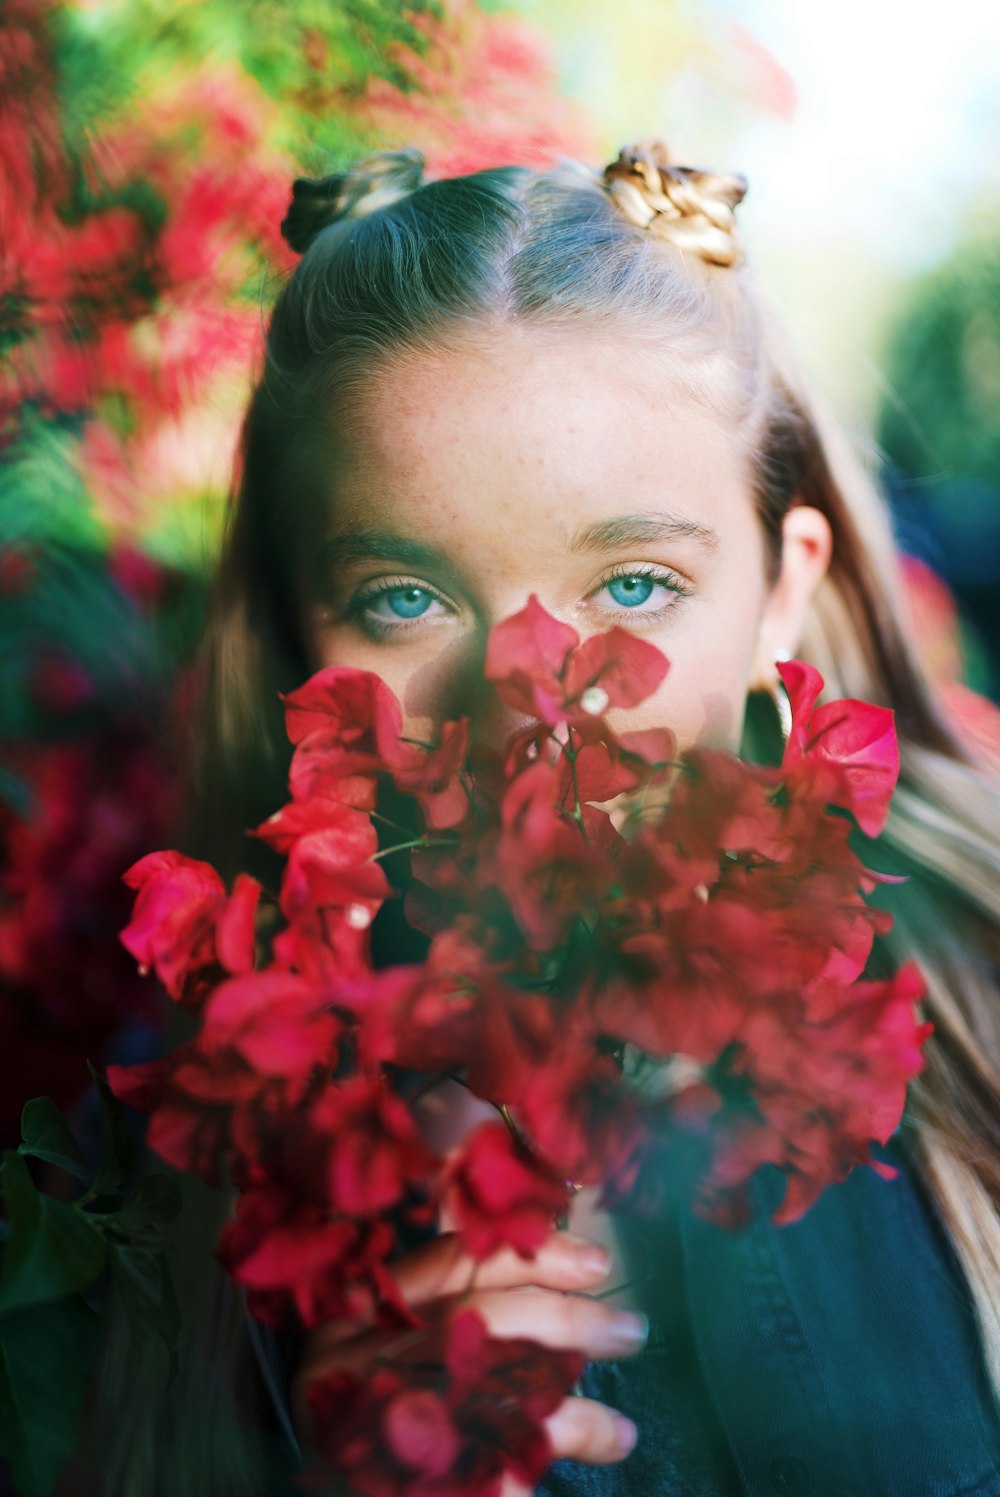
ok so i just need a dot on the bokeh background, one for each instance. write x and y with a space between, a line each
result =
146 153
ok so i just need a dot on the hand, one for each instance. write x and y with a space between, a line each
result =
545 1300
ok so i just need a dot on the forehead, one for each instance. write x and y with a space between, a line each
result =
550 429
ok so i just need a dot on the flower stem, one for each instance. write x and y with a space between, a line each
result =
384 852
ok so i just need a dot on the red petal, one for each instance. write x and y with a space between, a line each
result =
626 668
353 700
420 1433
526 652
803 683
853 739
164 862
235 936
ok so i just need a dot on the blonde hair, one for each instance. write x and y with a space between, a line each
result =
426 261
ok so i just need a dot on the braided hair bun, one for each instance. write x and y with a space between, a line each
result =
691 208
368 184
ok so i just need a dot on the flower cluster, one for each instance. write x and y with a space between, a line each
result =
392 1433
585 895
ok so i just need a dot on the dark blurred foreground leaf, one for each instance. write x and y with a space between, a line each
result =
118 1151
46 1135
147 1291
53 1249
52 1252
155 1199
46 1356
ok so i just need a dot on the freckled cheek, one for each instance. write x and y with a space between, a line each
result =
431 689
702 705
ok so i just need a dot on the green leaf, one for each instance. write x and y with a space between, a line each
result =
52 1250
45 1134
147 1291
118 1150
46 1356
155 1199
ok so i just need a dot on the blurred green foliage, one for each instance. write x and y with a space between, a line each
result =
943 363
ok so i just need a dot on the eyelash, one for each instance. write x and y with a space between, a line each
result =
679 586
382 629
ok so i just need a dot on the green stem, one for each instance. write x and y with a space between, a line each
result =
387 821
620 1288
384 852
577 814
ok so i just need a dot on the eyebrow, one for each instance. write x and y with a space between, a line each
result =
625 530
631 530
380 545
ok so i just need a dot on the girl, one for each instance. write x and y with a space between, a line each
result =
566 383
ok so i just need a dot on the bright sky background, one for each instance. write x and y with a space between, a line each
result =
897 132
891 157
869 131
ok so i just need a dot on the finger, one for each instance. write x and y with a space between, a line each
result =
553 1319
585 1430
565 1322
443 1267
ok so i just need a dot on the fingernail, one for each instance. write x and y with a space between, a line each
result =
631 1327
626 1434
594 1259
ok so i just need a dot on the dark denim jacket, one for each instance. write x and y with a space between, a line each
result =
836 1357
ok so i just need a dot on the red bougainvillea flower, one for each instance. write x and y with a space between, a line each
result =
500 1195
719 927
356 1148
230 1093
331 867
428 1016
203 1115
185 927
405 1431
279 1024
823 1090
539 667
331 889
612 669
433 777
194 1109
690 983
290 1254
846 749
350 721
720 802
545 871
526 658
576 1111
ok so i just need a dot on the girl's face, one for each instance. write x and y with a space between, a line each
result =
471 477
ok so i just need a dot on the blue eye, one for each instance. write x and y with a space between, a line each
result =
402 602
633 590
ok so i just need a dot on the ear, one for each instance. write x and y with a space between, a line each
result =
806 548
